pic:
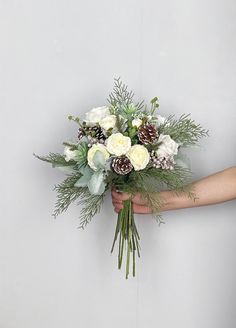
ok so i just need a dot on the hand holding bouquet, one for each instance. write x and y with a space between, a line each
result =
127 146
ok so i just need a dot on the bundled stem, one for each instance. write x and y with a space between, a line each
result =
128 235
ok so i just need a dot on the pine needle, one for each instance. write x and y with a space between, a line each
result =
55 159
183 130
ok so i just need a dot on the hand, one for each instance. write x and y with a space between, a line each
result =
139 204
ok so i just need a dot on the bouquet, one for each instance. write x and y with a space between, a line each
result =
124 145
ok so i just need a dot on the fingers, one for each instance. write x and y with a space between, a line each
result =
138 199
120 197
138 203
138 209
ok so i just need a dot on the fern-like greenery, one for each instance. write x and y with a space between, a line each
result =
150 181
183 130
121 96
67 193
55 159
91 205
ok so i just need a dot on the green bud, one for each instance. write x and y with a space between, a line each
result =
154 100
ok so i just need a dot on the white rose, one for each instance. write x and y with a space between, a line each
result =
92 151
167 147
139 157
108 122
137 122
70 154
118 144
96 114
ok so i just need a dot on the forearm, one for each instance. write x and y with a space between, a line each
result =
214 189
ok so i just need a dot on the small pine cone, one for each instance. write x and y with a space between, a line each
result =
122 165
147 134
163 162
81 133
95 132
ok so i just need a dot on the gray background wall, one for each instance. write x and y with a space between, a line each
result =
60 58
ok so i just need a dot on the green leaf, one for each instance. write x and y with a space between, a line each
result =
87 173
96 184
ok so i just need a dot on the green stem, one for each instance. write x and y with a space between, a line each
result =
128 236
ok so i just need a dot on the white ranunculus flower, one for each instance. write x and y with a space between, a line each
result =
138 156
69 154
167 147
108 122
118 144
92 151
95 115
137 122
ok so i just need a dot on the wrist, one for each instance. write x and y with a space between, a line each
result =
168 199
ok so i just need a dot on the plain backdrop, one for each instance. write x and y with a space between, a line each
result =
59 58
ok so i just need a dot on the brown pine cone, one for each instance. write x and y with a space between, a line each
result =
122 165
148 134
93 132
81 133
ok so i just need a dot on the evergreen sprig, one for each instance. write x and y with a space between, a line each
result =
121 96
55 159
67 193
91 205
183 130
150 181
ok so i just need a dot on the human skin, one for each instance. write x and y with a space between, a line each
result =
213 189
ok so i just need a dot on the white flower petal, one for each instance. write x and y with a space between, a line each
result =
118 144
139 157
167 147
108 122
91 153
95 115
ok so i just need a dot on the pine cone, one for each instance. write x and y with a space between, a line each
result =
147 134
81 133
122 165
94 134
163 162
